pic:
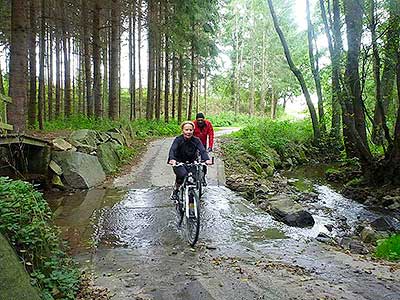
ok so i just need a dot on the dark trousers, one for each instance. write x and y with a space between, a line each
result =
181 172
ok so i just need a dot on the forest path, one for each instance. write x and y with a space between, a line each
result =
138 252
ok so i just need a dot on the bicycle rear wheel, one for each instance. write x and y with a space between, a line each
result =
193 220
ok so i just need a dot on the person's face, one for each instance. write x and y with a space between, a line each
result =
200 122
187 131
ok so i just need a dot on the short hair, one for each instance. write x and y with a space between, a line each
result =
200 115
186 123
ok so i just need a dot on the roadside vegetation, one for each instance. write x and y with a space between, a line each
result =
389 248
26 221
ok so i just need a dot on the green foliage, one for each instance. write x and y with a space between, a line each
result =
153 128
126 153
265 145
142 128
285 137
226 119
25 219
389 248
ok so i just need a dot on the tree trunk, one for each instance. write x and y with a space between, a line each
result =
205 89
334 51
389 70
67 66
86 54
297 73
2 90
18 66
58 62
180 88
273 104
166 87
139 7
42 49
114 58
173 85
353 17
32 65
150 73
252 85
97 96
377 75
131 59
106 71
192 70
314 67
50 76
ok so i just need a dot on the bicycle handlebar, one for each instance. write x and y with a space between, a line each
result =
190 164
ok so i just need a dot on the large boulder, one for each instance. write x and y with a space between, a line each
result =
290 212
59 144
14 280
108 157
80 170
84 137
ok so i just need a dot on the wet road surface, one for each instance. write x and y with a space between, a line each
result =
128 237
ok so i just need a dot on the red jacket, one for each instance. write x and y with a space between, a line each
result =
203 132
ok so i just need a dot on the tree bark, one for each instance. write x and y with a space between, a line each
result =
58 61
2 90
353 17
16 111
97 95
32 65
297 73
86 55
131 62
114 60
140 99
334 51
150 73
191 86
50 75
67 66
173 85
314 67
166 87
388 72
42 49
180 88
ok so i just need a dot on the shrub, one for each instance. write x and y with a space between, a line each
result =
25 219
389 248
142 128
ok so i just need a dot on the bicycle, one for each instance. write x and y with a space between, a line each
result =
188 203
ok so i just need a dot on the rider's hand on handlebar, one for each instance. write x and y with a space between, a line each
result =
209 149
172 162
209 162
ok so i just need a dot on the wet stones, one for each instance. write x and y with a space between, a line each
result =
290 212
80 170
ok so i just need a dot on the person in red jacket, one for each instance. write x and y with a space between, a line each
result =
204 130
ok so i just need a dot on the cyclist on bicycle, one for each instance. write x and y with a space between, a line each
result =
203 129
185 148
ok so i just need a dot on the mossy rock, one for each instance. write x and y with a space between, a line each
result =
14 280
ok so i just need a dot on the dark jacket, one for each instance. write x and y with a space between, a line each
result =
183 150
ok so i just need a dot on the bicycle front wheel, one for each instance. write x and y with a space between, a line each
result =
193 217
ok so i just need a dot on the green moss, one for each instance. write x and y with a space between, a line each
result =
389 248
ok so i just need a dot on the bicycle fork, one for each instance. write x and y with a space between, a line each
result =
187 202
